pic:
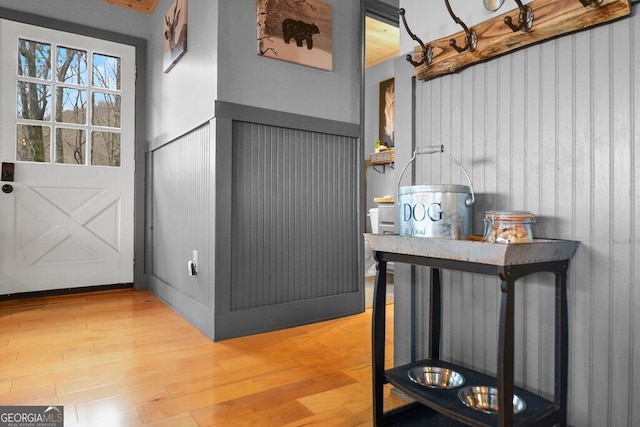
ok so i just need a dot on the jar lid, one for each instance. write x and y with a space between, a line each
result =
513 216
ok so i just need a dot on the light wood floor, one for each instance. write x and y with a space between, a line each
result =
124 358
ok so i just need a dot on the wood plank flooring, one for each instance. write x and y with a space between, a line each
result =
124 358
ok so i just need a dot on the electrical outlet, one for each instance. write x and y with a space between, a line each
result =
192 266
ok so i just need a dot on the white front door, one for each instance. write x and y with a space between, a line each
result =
67 124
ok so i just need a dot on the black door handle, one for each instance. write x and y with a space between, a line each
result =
7 171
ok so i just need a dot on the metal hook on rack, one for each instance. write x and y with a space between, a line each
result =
525 18
427 53
470 38
592 3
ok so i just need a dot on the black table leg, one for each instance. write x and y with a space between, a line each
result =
561 345
505 355
435 313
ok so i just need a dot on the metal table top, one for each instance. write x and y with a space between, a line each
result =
541 250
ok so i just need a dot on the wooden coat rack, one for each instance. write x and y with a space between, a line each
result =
538 21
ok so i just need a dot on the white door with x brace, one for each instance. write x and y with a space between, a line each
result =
67 127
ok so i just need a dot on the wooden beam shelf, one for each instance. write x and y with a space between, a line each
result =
494 37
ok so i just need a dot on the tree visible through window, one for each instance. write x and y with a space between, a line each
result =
57 78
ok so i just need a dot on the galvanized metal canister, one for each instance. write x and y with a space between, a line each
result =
436 210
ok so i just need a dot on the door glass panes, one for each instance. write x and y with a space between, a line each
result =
71 146
105 150
34 59
71 105
58 89
33 143
106 72
72 66
34 101
105 110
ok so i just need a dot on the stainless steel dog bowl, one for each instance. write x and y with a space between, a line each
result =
435 377
485 399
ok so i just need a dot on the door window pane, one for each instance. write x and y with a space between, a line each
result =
71 105
57 82
105 148
72 66
105 110
106 71
34 59
34 101
33 143
70 146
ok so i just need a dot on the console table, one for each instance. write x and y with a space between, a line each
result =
507 262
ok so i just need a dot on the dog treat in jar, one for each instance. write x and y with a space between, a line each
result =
508 227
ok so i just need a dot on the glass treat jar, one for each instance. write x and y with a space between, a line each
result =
508 227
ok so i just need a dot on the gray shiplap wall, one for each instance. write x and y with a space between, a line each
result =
271 202
181 211
553 129
288 220
181 200
296 207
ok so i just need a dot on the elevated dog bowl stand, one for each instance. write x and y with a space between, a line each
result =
435 407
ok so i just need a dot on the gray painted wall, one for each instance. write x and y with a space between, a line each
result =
182 100
287 228
290 202
551 129
269 83
221 64
181 162
181 219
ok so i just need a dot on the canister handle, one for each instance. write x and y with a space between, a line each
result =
432 149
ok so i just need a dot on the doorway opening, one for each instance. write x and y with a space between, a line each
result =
381 47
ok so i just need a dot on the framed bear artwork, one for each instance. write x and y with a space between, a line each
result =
297 31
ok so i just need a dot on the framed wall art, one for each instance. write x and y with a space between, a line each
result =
175 34
297 31
386 115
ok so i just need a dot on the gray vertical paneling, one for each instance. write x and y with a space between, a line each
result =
634 230
295 210
622 184
581 303
181 213
550 129
273 213
600 386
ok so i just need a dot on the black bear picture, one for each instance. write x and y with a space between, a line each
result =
280 23
299 31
